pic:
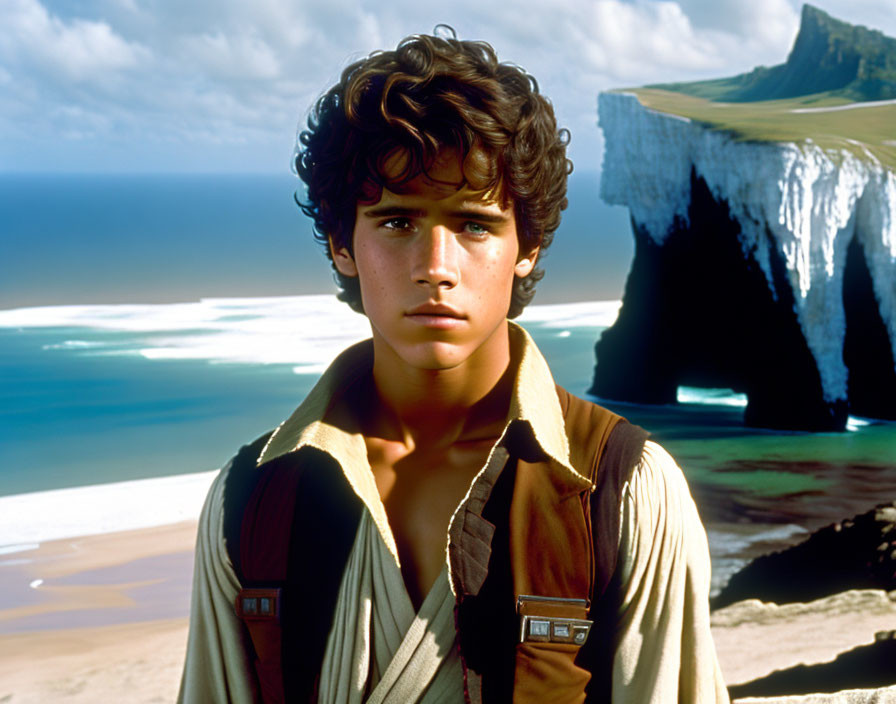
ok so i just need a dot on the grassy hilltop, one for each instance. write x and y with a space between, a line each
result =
821 93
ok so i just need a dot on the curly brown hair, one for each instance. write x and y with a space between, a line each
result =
432 93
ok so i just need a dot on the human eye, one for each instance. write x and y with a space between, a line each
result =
476 228
398 224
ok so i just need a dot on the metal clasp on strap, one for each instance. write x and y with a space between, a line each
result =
542 620
258 604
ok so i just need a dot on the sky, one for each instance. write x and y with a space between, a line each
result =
112 86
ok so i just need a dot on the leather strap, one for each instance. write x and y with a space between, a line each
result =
618 461
553 560
300 520
297 531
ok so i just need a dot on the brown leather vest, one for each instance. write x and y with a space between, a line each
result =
531 555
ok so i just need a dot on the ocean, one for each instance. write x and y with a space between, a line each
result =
145 401
121 389
167 238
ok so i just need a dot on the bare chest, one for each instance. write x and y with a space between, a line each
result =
420 492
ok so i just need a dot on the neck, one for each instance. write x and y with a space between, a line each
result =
467 402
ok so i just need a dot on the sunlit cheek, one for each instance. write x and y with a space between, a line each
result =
496 274
374 261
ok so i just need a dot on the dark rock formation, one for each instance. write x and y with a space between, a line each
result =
698 311
866 347
859 553
865 667
753 305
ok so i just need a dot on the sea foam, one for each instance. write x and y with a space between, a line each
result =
304 331
30 519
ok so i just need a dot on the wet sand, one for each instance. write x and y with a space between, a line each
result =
99 580
97 618
109 621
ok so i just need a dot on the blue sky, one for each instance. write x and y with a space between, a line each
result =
165 85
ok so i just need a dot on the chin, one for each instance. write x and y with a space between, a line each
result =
435 356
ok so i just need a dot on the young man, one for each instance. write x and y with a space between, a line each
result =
438 522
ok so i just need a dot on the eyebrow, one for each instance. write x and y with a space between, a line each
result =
477 214
393 211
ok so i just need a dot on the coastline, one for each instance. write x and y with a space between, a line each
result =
32 519
99 580
108 621
105 616
97 618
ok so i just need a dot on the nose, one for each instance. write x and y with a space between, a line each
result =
437 259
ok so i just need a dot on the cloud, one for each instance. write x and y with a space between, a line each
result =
179 80
78 50
237 57
664 35
768 22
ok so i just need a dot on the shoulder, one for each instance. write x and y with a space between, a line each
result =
236 477
581 416
663 587
602 445
658 517
656 481
240 473
596 434
261 504
221 519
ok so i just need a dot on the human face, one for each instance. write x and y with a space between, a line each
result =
436 267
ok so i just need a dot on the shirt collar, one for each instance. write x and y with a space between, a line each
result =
534 404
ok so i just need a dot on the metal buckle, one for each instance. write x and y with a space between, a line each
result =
550 629
258 604
545 628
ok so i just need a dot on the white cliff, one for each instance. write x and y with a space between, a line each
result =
803 201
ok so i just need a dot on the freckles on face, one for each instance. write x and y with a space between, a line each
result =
436 270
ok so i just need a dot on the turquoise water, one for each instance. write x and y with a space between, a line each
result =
750 475
80 406
72 417
85 404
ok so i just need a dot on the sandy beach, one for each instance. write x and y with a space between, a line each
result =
97 618
137 662
104 618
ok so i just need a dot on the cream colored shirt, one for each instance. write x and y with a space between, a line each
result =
664 649
379 650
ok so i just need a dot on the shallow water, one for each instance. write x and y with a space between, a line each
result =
83 405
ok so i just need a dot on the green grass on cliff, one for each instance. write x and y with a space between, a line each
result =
829 56
871 128
832 63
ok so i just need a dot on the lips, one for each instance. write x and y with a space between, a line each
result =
436 316
436 310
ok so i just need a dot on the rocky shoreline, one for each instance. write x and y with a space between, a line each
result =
818 618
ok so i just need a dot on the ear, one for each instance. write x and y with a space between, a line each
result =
526 263
344 262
